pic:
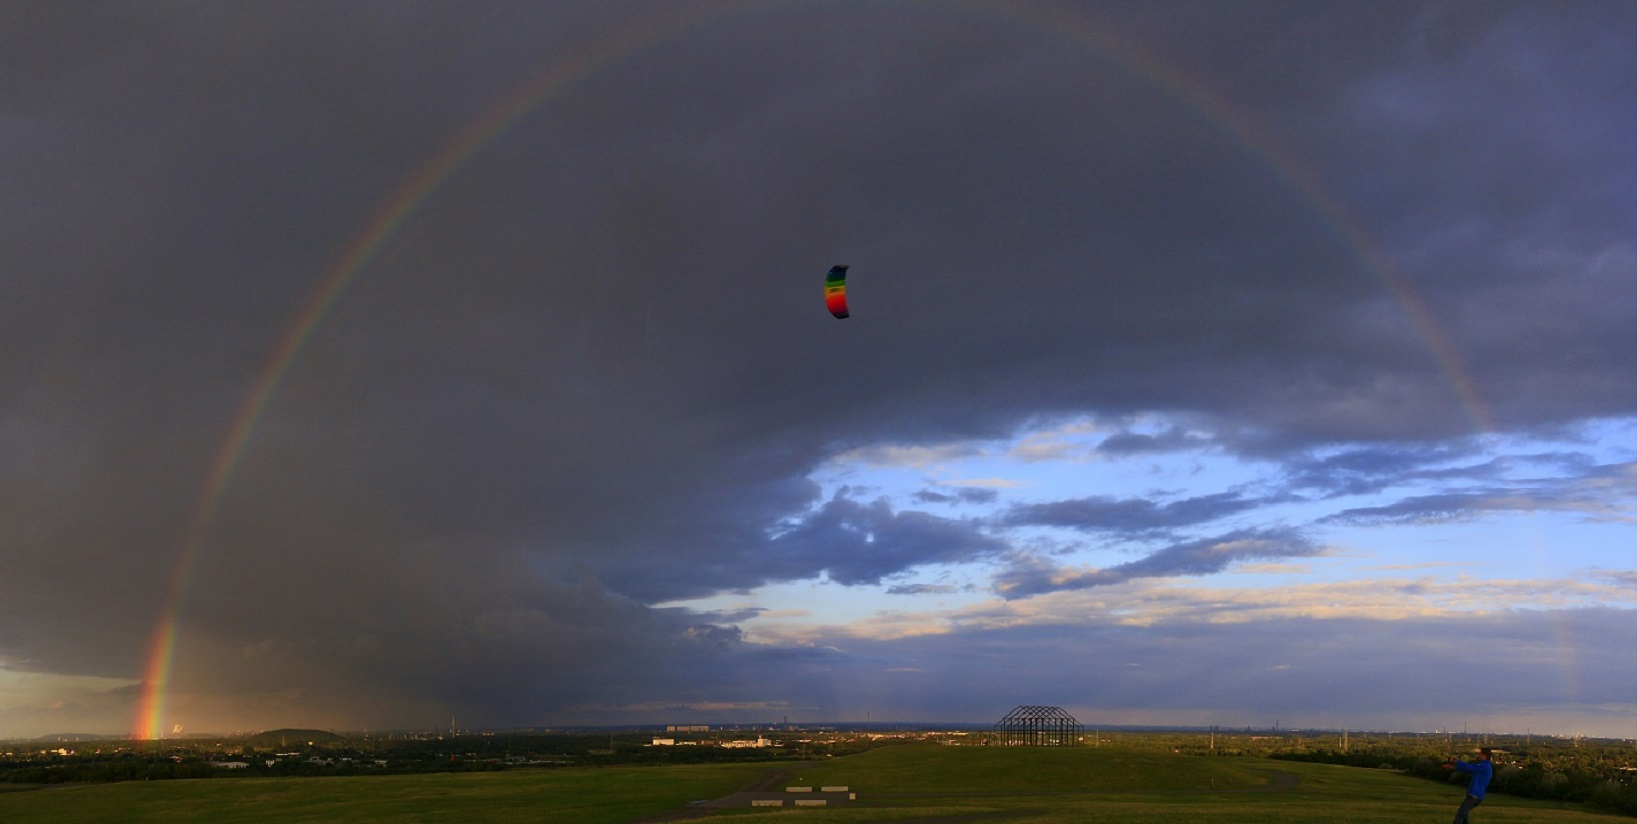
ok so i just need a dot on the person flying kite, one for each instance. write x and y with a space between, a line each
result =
1482 770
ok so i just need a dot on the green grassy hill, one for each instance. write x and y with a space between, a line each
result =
908 783
935 769
1114 784
592 796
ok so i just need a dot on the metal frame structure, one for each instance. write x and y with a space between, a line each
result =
1038 727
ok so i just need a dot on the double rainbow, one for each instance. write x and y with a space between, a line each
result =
426 179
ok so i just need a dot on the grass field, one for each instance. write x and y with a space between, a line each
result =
1117 785
594 796
899 784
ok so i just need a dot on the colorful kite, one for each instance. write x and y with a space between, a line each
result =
835 291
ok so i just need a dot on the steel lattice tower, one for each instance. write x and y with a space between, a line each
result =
1039 727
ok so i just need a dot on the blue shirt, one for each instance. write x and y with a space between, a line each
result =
1481 771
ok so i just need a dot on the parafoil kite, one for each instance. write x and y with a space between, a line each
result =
835 291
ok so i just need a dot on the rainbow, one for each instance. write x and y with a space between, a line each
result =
426 179
388 220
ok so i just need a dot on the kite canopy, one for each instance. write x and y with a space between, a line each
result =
835 291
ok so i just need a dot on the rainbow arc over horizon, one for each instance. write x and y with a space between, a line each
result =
404 201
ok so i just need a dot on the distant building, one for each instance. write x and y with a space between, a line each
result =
688 728
1039 727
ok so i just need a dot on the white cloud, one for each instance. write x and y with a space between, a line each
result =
987 483
1149 602
886 456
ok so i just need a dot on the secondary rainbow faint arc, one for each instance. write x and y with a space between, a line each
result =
429 176
1284 165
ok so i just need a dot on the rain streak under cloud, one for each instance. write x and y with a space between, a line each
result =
1207 364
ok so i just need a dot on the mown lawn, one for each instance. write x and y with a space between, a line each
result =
915 768
900 783
1117 785
594 796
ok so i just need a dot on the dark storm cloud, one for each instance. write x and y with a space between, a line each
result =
1187 558
1373 469
1370 469
1131 517
857 543
922 589
1597 493
377 667
590 373
1432 509
961 495
1131 443
1251 672
1623 578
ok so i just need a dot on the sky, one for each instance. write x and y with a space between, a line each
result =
383 365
